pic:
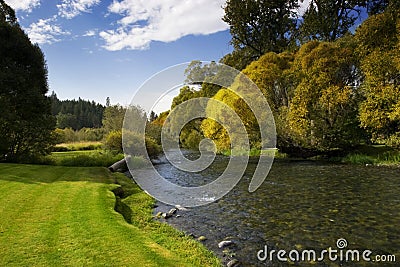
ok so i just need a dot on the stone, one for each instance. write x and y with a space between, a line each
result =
179 207
225 243
233 263
202 238
172 212
165 215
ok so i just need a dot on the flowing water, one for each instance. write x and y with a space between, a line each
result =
302 205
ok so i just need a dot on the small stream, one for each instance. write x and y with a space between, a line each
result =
302 205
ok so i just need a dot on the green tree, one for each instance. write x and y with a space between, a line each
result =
26 123
323 112
378 40
113 118
328 20
261 25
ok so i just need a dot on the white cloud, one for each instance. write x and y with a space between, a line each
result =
25 5
45 31
144 21
90 33
72 8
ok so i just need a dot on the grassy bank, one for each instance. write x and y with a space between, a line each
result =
53 215
373 155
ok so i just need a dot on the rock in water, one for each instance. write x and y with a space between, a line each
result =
172 211
225 243
233 263
165 215
202 238
179 207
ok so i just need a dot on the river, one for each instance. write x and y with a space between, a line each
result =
302 205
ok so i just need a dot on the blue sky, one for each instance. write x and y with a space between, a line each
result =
96 49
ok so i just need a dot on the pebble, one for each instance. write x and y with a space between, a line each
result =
233 263
179 207
202 238
225 243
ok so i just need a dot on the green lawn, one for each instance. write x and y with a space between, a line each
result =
58 216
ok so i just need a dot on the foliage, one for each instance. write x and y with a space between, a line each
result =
153 130
26 123
262 26
76 114
113 118
273 75
238 58
78 146
89 159
68 135
323 112
358 159
132 142
378 40
328 20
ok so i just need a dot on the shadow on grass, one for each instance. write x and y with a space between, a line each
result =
38 174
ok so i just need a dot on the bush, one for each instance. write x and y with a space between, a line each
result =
132 141
113 141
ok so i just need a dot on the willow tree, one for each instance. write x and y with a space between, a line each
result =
378 40
323 112
26 122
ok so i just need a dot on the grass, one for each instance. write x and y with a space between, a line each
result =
378 155
78 146
54 215
83 158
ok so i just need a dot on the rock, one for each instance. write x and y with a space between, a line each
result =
158 215
177 216
233 263
172 212
225 243
202 238
179 207
165 215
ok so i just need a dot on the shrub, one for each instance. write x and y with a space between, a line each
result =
132 141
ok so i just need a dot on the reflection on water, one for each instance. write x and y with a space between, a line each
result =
301 205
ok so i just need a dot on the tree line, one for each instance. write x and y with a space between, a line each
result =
329 90
76 114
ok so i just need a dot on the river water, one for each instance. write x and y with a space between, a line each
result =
302 205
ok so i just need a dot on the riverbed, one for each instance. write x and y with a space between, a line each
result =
302 205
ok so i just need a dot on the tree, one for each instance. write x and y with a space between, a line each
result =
323 112
26 123
113 118
272 74
378 40
261 25
328 20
